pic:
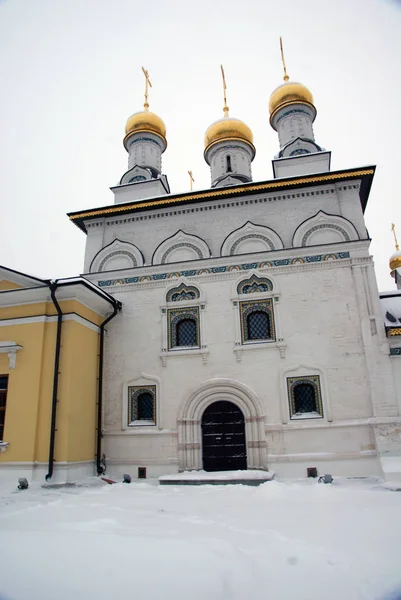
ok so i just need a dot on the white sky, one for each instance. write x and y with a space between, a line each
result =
71 75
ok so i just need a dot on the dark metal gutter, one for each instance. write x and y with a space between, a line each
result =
100 469
53 287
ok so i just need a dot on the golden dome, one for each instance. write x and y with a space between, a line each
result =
228 129
290 91
395 260
146 121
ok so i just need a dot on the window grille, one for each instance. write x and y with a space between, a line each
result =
305 398
258 325
3 400
145 406
186 332
257 321
183 329
142 405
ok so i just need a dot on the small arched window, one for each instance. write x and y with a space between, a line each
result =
258 323
186 333
142 405
228 164
305 400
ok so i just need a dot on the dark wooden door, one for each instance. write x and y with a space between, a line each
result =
223 437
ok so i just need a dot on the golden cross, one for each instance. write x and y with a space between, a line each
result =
286 76
225 109
191 179
147 85
395 236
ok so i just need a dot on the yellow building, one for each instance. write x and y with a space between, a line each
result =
51 360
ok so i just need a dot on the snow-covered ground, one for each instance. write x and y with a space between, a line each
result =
300 540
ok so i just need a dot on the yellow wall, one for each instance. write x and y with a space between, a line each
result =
30 386
23 390
9 285
48 308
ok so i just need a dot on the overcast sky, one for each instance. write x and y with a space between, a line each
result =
70 76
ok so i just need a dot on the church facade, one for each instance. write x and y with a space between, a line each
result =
247 329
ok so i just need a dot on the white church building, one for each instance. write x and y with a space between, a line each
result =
252 334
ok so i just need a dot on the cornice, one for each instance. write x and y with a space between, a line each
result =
180 199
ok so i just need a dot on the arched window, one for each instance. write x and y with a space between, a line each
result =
145 409
305 397
186 333
305 400
258 325
142 405
228 164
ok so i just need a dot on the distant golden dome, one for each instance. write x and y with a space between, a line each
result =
146 121
290 91
395 260
228 129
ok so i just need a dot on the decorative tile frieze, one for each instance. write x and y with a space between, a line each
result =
316 258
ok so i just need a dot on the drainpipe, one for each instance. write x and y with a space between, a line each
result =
53 287
99 468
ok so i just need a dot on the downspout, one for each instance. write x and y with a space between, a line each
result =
53 287
99 468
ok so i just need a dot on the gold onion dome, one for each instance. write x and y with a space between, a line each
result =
395 260
289 92
145 121
228 128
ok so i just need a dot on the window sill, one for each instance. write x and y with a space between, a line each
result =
302 416
184 351
141 423
3 446
262 345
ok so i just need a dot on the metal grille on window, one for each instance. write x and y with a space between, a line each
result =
142 404
3 398
257 321
304 398
186 332
258 325
145 407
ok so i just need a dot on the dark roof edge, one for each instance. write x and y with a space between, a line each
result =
364 173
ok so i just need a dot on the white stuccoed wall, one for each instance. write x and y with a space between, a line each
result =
283 212
321 324
329 320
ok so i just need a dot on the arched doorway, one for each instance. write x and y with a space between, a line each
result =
223 437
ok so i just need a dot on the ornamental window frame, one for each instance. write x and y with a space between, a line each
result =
314 382
256 292
134 394
182 300
144 382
